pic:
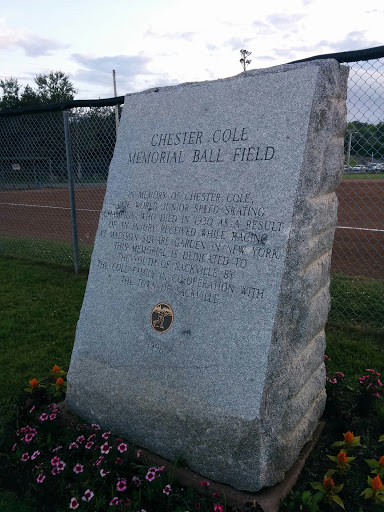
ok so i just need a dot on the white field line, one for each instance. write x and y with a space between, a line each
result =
55 207
361 229
89 210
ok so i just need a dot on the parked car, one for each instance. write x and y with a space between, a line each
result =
358 168
375 168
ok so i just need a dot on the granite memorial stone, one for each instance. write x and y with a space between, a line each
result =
201 334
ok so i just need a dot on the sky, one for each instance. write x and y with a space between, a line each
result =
151 43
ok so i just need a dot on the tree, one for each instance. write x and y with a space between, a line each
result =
10 96
54 88
29 97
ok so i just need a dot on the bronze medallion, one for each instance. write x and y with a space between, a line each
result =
162 317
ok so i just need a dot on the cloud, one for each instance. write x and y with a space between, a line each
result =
237 43
133 73
129 65
284 21
352 41
187 36
32 44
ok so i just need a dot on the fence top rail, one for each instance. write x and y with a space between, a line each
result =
65 105
351 56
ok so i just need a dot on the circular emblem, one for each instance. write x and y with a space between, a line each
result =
162 317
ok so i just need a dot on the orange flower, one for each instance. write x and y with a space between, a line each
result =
342 458
59 381
55 369
381 461
348 437
328 484
34 383
376 483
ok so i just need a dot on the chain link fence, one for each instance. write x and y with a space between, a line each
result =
54 166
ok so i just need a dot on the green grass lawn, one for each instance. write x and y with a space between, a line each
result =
363 176
40 306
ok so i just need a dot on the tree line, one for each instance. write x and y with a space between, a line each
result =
53 87
367 140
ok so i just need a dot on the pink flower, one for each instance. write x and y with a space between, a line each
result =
218 508
55 471
28 437
53 416
61 465
95 426
55 461
73 445
379 382
136 480
89 445
88 495
204 483
114 501
79 468
150 476
105 448
99 460
74 504
14 447
103 473
92 436
167 489
25 457
333 381
105 435
121 485
80 439
326 358
35 454
40 479
138 454
32 408
43 417
119 461
340 375
122 447
57 449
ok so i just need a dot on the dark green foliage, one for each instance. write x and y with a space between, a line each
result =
54 87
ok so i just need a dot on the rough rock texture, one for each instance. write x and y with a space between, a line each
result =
221 204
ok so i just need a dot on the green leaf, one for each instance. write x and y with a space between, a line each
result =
318 486
381 439
367 493
372 463
318 497
338 488
339 443
338 500
332 458
330 472
350 459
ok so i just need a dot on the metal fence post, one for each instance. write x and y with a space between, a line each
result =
71 187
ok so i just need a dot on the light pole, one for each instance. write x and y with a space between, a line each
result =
116 107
